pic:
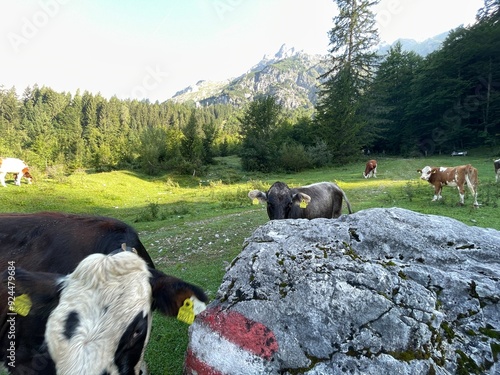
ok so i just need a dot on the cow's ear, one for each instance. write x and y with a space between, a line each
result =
257 196
169 293
36 292
419 171
301 197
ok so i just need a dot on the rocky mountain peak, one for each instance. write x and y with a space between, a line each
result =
284 52
290 75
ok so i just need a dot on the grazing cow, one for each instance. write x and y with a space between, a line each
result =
452 176
323 199
370 169
496 164
90 308
16 166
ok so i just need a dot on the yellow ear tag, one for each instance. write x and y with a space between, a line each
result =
22 305
186 312
255 201
303 204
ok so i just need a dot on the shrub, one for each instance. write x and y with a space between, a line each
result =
56 172
293 157
319 155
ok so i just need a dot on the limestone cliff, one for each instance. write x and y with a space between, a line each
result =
291 76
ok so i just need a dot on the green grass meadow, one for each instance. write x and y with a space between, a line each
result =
194 227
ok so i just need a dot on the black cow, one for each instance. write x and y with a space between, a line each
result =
320 200
57 242
90 310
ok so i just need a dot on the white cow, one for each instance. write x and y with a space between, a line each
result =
16 166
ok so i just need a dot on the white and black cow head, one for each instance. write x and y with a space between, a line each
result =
280 200
426 172
100 315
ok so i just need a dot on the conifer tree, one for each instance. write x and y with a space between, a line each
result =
192 143
259 126
353 62
390 99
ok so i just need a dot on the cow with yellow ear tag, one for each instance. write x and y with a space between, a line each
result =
319 200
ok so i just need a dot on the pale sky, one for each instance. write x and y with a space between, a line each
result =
152 49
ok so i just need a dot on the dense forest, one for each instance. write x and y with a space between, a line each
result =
398 104
448 101
47 128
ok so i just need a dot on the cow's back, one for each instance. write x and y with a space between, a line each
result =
370 168
442 176
326 201
57 242
321 206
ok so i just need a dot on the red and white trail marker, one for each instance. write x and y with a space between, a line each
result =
227 342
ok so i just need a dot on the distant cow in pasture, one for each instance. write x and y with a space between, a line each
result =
496 164
370 169
320 200
82 305
452 176
16 166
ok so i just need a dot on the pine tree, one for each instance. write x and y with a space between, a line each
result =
259 126
491 7
210 130
9 122
353 62
389 100
192 144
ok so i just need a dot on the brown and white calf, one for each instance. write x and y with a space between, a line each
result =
370 169
458 177
16 166
496 164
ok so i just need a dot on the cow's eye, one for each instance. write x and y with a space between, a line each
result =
135 333
139 332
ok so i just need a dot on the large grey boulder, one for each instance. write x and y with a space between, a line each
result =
381 291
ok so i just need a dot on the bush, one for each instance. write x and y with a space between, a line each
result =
232 199
56 172
155 212
258 157
193 168
293 157
319 155
258 185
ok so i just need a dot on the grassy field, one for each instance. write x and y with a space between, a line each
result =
193 227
